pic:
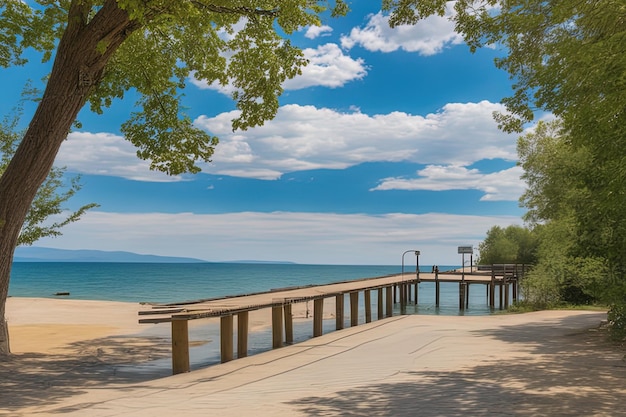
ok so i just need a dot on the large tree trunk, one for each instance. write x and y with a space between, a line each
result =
78 66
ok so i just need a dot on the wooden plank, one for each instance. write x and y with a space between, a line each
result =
368 306
288 324
226 338
242 334
339 312
277 326
180 346
354 308
318 315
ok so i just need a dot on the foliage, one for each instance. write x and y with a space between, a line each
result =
567 58
510 245
50 197
564 56
617 322
240 43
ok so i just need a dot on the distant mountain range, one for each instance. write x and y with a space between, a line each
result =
40 254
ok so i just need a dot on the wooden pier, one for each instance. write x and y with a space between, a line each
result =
390 290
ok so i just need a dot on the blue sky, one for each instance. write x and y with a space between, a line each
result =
385 143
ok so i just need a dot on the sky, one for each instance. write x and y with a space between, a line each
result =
385 144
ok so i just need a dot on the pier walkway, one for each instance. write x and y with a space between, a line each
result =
389 290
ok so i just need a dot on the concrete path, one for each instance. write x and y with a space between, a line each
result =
551 363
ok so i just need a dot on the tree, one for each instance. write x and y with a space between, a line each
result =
510 245
568 58
103 48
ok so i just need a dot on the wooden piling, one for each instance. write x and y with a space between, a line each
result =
354 308
368 306
277 326
492 291
242 334
506 294
288 324
339 311
180 346
226 338
380 304
461 295
389 304
318 316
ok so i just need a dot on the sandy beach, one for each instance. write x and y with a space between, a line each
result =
75 357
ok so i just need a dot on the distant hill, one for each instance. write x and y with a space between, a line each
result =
39 254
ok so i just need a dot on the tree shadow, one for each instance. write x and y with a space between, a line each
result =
33 379
572 371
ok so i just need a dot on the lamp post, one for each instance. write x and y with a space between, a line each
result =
403 290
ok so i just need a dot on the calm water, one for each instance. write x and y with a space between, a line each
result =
158 282
145 282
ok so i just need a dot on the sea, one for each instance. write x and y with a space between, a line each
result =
177 282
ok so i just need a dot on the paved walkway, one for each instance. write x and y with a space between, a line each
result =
538 364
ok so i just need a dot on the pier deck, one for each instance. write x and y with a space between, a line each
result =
390 290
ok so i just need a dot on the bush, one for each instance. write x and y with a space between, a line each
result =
617 322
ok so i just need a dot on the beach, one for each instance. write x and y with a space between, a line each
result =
76 358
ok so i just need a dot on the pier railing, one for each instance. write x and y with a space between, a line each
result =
391 290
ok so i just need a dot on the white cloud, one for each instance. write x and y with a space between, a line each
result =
328 66
428 37
313 32
106 154
306 137
498 186
298 237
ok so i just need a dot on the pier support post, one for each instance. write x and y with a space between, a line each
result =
417 283
501 284
318 315
226 338
380 304
437 288
368 306
506 294
180 346
354 308
339 312
242 334
288 324
492 291
461 295
514 283
467 288
389 303
277 326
